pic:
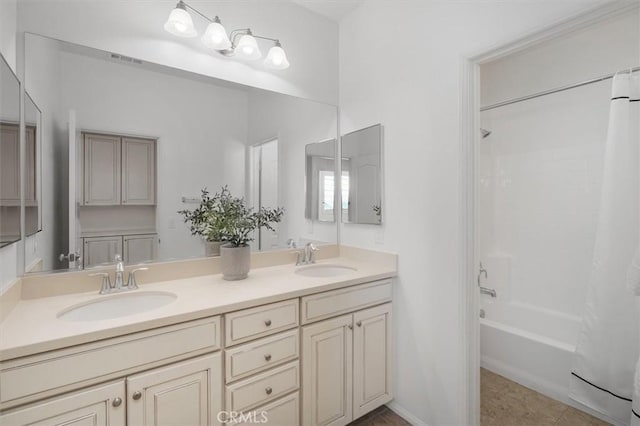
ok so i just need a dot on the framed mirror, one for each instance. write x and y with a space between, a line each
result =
127 145
10 170
362 176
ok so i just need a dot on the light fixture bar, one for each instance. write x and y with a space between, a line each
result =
216 38
216 19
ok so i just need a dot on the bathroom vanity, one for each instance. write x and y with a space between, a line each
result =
293 345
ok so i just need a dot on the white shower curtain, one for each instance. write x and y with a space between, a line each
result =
607 354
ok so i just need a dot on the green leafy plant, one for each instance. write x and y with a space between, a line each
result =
241 220
207 219
226 218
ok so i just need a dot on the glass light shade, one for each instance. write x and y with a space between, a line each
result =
215 37
247 48
276 59
180 23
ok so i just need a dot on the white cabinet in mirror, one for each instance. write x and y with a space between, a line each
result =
145 139
9 155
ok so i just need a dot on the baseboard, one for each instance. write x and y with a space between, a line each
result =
402 412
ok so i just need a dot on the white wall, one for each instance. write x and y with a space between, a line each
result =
407 77
8 23
135 28
296 123
8 254
541 167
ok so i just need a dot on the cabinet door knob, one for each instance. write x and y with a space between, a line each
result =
359 323
267 357
267 322
350 326
137 395
116 402
268 390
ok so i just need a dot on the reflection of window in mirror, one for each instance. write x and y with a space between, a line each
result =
327 187
345 195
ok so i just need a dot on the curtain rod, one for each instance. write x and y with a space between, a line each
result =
556 90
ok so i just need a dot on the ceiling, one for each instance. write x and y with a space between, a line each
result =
332 9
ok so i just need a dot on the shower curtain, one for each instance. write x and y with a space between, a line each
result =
605 375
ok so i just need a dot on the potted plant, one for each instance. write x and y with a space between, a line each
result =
207 220
239 223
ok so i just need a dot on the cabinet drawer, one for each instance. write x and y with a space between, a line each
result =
58 371
332 303
266 387
283 412
257 356
262 321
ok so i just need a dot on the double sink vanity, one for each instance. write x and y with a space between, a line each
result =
290 345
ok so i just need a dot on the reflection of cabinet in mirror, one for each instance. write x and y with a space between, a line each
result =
118 210
10 168
119 170
133 248
10 180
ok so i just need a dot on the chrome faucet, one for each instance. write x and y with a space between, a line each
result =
484 290
118 284
310 253
119 281
307 255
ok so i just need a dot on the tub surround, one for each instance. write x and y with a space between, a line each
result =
31 325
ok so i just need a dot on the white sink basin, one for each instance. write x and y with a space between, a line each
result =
119 305
325 270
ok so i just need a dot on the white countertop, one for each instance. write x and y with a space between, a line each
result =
33 327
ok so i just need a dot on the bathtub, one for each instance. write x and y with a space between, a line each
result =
529 345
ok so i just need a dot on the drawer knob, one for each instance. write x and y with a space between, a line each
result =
268 390
359 323
267 357
267 322
116 402
137 395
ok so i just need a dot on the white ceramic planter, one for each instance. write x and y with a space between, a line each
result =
212 248
236 262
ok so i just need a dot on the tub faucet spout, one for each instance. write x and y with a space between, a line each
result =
491 292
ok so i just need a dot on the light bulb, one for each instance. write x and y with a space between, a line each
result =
247 48
276 58
180 22
215 37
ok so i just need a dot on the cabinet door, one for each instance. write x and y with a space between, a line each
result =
101 170
9 165
372 359
327 372
139 248
138 171
101 250
185 393
98 406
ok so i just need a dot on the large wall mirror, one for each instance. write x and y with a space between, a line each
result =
362 176
10 170
127 144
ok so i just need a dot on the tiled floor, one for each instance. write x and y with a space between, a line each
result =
381 417
506 403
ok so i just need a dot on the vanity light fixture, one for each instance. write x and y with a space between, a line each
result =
240 43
